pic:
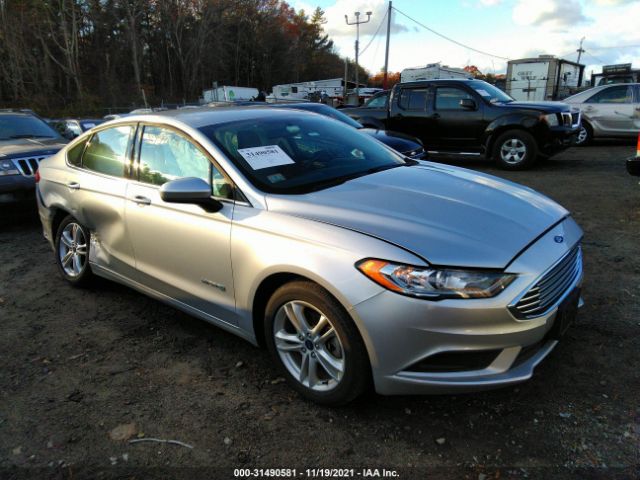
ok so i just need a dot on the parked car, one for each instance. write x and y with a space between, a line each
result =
608 111
348 261
78 126
25 140
405 144
474 119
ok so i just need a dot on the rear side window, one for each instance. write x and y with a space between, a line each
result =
621 94
74 155
448 98
378 101
413 99
106 152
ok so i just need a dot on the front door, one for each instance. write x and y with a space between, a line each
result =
181 250
612 111
458 129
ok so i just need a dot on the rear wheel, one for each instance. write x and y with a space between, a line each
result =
515 150
316 344
72 251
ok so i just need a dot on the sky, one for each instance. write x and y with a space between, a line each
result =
510 29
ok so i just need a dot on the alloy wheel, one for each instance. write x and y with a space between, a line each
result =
72 252
582 135
309 346
513 151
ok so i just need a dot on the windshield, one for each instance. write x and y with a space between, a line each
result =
489 92
299 153
24 126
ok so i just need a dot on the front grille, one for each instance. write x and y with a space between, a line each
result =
551 287
27 165
575 119
566 119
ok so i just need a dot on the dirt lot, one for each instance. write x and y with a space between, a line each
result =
76 364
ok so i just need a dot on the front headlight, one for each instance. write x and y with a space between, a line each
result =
434 283
551 119
7 168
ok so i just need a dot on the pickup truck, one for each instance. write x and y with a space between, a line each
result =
472 118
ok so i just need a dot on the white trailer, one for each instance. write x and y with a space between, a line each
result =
432 71
229 94
543 78
332 87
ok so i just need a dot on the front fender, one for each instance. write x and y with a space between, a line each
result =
529 122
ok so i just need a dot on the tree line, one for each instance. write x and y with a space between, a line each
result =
73 57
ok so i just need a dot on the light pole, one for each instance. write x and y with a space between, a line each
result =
357 23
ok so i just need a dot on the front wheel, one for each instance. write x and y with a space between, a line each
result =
515 150
72 251
316 344
585 135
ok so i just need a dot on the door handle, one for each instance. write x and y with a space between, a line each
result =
140 200
73 185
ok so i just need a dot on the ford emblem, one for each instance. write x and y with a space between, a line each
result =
558 239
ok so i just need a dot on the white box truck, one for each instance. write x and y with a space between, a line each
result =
543 78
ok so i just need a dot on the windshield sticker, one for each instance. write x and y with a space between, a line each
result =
265 157
482 92
89 125
276 177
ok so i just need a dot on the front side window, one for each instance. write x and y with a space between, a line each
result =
414 99
300 152
448 98
379 101
106 152
166 155
621 94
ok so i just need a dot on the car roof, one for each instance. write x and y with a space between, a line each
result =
201 117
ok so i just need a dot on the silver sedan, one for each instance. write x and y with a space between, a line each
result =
353 265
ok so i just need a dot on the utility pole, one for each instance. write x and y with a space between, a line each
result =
357 23
344 88
386 53
580 50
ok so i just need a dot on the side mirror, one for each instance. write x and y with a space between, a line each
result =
468 104
190 190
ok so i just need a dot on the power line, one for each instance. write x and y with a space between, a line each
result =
374 35
448 38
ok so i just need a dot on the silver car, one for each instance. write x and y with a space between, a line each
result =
608 111
352 264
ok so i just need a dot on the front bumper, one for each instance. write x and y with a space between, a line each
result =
16 188
558 139
633 166
402 333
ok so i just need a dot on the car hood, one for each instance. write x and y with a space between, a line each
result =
396 140
448 216
546 107
30 146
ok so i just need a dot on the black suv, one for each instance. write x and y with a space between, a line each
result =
25 139
472 118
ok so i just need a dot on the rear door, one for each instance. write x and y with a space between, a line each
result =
612 111
409 113
457 129
96 186
181 250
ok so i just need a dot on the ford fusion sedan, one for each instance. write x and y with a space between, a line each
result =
352 264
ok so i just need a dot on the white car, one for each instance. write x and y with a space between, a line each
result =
608 111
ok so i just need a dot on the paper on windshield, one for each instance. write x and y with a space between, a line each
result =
265 157
482 92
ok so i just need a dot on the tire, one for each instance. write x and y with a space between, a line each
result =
333 371
515 150
585 135
72 244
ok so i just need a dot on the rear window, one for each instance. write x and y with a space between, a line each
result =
107 151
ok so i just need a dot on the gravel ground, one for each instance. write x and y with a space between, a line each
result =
81 371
